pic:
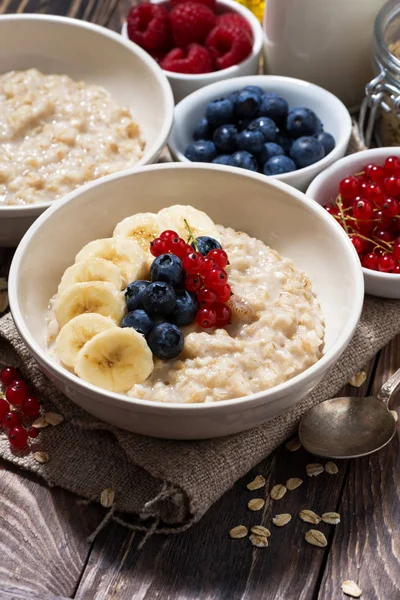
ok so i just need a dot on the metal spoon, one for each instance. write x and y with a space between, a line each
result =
350 427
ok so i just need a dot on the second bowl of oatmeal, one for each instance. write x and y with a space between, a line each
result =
71 112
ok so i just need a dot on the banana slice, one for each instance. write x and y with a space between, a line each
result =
199 222
143 228
90 297
115 359
94 269
79 330
127 255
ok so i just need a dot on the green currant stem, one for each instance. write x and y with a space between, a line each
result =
191 236
340 207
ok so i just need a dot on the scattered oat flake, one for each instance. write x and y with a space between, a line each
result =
240 531
395 415
3 301
331 468
257 483
261 541
53 418
309 516
293 444
41 457
40 423
350 588
358 379
256 504
281 520
260 530
314 469
278 491
316 538
107 497
333 518
293 483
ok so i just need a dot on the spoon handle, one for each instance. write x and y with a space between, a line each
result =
389 387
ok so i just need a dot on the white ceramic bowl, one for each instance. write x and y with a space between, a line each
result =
270 210
325 188
183 85
329 109
96 55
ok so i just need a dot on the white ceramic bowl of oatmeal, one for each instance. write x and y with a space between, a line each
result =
57 133
273 212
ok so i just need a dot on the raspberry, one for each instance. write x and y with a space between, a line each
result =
210 3
191 23
195 59
228 46
231 18
149 26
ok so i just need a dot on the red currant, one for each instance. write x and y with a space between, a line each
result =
10 419
219 256
158 247
31 406
179 247
16 392
396 270
168 235
383 222
383 235
375 173
8 375
386 263
396 254
392 165
18 437
206 297
209 264
349 188
194 283
206 317
391 207
224 314
364 227
370 261
215 278
193 263
4 408
33 432
224 293
332 210
357 243
363 210
374 193
391 186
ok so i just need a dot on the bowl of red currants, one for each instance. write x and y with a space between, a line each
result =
196 42
362 193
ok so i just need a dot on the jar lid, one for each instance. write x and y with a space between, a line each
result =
387 36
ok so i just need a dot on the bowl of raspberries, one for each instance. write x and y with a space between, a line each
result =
197 42
278 126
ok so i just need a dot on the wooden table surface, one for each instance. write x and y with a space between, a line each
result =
43 549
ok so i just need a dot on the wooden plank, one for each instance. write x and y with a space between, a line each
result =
366 546
205 563
97 11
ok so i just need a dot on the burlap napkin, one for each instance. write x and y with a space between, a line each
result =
172 483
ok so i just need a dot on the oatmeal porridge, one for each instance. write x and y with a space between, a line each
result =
57 134
269 328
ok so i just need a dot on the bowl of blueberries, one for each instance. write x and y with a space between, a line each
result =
278 126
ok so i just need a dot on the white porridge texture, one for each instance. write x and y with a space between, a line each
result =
276 332
57 134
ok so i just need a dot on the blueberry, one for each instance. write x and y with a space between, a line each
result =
185 309
306 151
243 160
206 243
222 159
168 268
284 140
166 341
233 96
266 126
274 107
320 126
159 299
139 320
243 124
269 150
327 140
252 141
254 89
225 138
278 165
201 151
300 122
202 131
219 112
247 105
133 294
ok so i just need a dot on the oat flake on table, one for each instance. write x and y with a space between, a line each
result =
257 483
350 588
316 538
293 483
240 531
278 491
314 469
309 516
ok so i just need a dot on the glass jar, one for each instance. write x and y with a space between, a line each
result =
380 110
